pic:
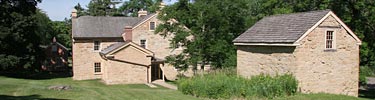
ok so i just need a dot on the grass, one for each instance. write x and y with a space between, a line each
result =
37 89
15 88
319 96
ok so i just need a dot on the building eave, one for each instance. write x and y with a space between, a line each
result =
265 44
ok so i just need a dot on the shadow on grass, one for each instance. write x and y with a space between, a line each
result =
29 97
370 94
36 75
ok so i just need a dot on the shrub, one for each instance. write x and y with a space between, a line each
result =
224 84
365 71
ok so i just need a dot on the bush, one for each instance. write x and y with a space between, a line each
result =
365 71
228 85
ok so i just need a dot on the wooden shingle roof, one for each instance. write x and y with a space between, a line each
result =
285 28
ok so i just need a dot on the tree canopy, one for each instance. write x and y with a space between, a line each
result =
19 33
215 23
108 8
23 30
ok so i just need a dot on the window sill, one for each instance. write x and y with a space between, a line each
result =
330 50
98 73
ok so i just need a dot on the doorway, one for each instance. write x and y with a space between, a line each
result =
156 72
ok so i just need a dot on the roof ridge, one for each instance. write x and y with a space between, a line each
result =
109 16
296 13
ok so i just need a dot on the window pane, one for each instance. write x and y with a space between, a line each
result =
96 45
143 43
97 67
152 25
329 39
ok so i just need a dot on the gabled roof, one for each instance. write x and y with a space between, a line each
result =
104 26
118 46
285 28
145 18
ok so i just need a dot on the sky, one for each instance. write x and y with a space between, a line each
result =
57 10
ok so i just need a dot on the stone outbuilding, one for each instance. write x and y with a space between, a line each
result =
316 47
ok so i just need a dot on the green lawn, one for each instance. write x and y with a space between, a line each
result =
17 88
13 88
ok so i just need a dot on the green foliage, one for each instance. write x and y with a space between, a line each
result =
108 8
131 7
228 85
365 71
212 25
23 29
19 34
62 32
80 10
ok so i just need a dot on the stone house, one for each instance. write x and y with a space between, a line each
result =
316 47
120 50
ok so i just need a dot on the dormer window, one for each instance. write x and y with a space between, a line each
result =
152 26
330 40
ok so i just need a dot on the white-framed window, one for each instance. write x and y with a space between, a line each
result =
152 26
96 45
97 67
143 43
330 40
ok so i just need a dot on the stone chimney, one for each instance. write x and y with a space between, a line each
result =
54 40
74 13
142 13
128 34
161 6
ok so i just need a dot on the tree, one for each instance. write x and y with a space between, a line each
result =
131 7
80 10
213 24
62 32
101 8
19 37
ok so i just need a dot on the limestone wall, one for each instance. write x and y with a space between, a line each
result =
132 54
157 44
84 58
316 68
124 73
129 67
332 71
255 60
